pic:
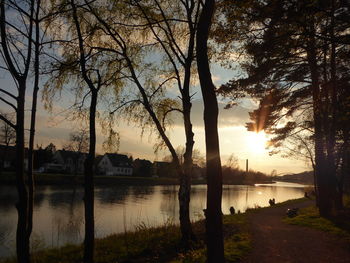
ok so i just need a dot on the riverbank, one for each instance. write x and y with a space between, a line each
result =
159 244
67 179
259 235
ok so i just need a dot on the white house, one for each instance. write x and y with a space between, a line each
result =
115 164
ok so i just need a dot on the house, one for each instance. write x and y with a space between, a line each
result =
163 169
71 162
8 158
115 164
142 167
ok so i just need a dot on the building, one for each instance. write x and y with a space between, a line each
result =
71 162
8 158
115 164
163 169
142 168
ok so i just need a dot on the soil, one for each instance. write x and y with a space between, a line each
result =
276 241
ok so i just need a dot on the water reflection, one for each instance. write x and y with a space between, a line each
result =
59 211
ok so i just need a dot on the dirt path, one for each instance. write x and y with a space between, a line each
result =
276 241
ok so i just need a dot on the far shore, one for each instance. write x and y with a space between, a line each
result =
9 178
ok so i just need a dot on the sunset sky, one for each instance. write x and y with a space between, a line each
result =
234 138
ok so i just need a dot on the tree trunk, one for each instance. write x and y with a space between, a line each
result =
185 178
89 184
32 125
215 244
185 187
325 189
22 238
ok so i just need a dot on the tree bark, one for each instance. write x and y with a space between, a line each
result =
22 238
89 162
325 187
215 244
89 184
32 123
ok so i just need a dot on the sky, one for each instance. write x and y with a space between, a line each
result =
234 138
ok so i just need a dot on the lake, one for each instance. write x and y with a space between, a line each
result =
59 210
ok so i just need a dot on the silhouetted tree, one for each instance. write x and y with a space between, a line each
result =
215 242
296 64
167 25
17 39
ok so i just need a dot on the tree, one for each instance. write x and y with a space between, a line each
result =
82 65
296 61
7 138
78 141
7 133
43 155
215 243
18 36
94 83
125 40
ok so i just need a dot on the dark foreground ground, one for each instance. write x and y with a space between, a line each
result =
273 240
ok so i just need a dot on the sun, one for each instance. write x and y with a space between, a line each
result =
257 142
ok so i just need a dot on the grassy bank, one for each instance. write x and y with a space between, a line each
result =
338 225
160 244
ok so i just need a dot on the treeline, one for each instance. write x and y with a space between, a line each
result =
237 176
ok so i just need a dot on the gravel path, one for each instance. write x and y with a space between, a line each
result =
276 241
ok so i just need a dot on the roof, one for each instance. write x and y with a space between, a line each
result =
70 154
118 159
143 161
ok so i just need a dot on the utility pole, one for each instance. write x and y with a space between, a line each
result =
246 166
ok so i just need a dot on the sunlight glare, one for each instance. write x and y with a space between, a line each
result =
257 142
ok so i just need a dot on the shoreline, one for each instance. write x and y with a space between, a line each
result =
67 179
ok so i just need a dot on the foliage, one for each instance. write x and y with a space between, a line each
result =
296 66
239 176
7 133
78 141
43 155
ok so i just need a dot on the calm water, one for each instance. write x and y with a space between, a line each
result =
59 211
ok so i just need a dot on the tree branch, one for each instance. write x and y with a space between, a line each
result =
7 121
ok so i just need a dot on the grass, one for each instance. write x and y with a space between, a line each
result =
310 217
153 244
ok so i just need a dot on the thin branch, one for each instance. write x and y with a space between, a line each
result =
8 94
7 121
124 104
161 85
9 103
